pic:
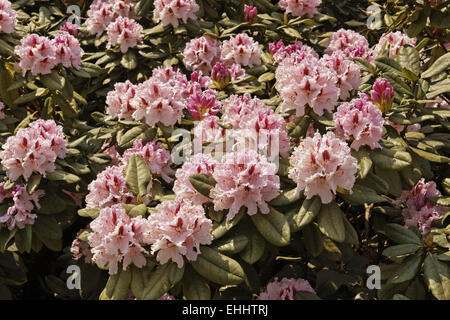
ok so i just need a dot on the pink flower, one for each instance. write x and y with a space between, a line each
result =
19 214
70 28
251 13
236 107
68 50
2 106
349 42
33 149
244 179
237 72
297 51
116 237
361 122
420 211
36 53
80 249
198 164
178 229
169 11
167 296
8 17
347 73
203 104
382 94
101 13
201 54
241 49
109 188
220 75
306 82
119 101
156 157
321 164
208 130
300 7
285 289
395 40
124 32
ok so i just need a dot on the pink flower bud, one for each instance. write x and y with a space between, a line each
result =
250 13
70 28
220 75
382 94
202 104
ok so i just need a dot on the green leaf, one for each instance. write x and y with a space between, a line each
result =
431 156
53 81
164 278
47 227
308 212
440 65
117 286
286 198
273 226
51 203
408 269
437 277
391 159
23 239
331 221
400 250
5 237
33 183
59 175
351 236
306 295
195 287
129 60
361 195
89 212
401 235
203 183
313 239
225 226
218 268
232 245
137 175
255 247
409 58
140 277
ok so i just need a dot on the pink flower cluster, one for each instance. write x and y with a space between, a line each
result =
198 164
41 54
19 214
208 131
109 188
202 54
203 104
161 98
347 72
285 289
294 51
244 179
8 17
300 7
2 106
420 211
241 49
156 157
395 40
169 11
33 149
124 32
350 43
359 121
102 13
178 229
117 238
305 81
321 164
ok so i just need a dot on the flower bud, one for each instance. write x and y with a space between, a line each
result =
382 95
250 13
220 75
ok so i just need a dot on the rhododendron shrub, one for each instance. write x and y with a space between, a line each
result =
203 149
